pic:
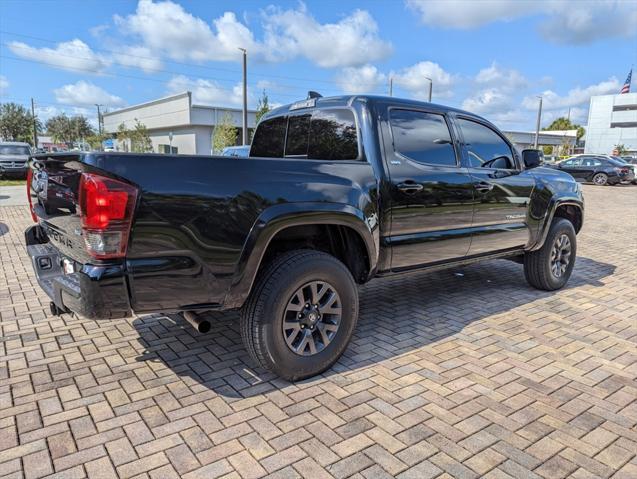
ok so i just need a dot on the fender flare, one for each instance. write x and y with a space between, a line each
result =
279 217
554 204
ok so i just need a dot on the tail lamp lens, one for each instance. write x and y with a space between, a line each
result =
106 207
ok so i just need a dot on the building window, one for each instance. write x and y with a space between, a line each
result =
167 149
624 124
625 108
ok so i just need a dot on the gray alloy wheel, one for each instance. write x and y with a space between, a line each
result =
600 179
311 318
560 255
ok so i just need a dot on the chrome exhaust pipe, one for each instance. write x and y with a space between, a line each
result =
199 323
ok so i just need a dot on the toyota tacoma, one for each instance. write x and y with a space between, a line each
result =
336 191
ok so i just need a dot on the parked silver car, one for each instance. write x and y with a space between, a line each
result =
13 158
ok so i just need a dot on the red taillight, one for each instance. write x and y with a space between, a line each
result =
29 180
106 211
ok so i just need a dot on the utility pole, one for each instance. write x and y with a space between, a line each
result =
569 114
35 125
245 96
431 85
537 125
99 119
391 86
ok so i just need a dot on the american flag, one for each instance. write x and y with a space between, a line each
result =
626 87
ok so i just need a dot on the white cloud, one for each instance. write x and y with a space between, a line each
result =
466 14
138 57
74 55
207 92
365 79
583 23
575 97
84 93
501 77
4 83
414 80
488 101
167 28
562 21
352 41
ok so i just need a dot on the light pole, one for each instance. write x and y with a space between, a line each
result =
537 124
391 86
245 96
431 85
99 118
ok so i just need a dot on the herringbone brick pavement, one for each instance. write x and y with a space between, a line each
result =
460 373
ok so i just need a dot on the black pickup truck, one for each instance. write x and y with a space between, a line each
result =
336 191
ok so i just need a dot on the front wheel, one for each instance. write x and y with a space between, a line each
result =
600 179
301 314
550 267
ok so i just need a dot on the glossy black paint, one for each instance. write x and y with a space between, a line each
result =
202 225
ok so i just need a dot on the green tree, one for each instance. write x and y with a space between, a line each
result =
60 129
563 123
138 138
95 140
621 149
263 106
80 127
16 123
225 134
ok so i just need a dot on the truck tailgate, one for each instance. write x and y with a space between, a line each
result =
53 187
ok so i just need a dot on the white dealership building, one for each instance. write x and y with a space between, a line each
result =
612 120
190 126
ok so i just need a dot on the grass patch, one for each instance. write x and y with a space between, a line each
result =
12 182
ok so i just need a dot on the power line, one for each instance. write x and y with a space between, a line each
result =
205 67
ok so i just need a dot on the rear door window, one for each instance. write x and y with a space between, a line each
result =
423 137
333 135
269 139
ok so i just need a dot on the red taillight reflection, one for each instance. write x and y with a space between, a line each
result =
106 211
29 180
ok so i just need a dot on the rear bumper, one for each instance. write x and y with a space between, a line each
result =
97 292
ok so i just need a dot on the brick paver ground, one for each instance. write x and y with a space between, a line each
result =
461 373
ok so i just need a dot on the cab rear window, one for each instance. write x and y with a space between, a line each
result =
328 134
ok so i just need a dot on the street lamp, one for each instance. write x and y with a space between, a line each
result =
245 96
537 124
431 84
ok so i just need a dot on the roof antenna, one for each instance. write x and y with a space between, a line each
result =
313 94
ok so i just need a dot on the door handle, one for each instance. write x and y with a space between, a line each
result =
483 186
410 187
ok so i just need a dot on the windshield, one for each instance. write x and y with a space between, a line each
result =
14 150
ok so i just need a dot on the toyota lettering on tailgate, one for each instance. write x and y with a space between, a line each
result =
58 237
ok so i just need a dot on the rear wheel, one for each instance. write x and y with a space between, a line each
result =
550 267
301 314
600 179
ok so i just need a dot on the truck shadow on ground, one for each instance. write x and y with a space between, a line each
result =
397 316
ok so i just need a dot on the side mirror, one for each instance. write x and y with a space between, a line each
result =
532 158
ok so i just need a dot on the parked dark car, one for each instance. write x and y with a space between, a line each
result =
336 191
597 169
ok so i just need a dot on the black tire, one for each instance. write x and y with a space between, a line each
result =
538 264
600 179
262 315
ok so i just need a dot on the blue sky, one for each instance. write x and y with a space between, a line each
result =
489 56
